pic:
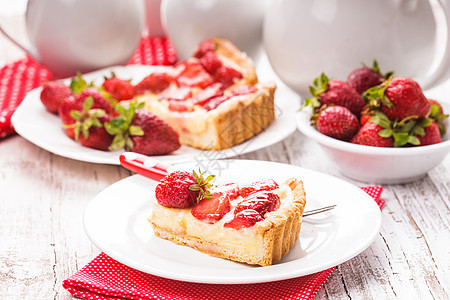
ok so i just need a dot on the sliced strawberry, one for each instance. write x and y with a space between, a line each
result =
432 135
204 47
155 83
227 76
212 209
214 90
262 185
180 106
213 103
194 75
244 90
244 219
180 93
263 202
119 89
210 62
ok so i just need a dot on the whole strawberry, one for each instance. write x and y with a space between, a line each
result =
119 89
96 137
328 92
138 130
368 135
181 189
53 93
173 190
364 78
399 98
437 115
99 101
337 122
431 136
65 109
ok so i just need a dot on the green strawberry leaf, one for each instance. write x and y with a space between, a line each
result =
136 131
78 84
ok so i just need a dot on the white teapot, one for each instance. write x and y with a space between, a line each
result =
188 22
69 36
303 38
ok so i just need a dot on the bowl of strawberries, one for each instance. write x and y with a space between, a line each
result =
376 127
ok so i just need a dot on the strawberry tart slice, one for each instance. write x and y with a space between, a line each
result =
212 100
255 223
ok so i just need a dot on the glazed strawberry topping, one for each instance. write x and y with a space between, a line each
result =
119 89
155 83
194 75
262 185
244 90
244 219
212 91
205 46
212 209
262 202
227 76
210 62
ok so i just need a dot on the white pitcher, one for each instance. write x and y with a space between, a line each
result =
188 22
69 36
303 38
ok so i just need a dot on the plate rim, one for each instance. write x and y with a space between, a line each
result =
262 278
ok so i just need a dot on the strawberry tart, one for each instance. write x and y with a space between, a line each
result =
212 100
256 223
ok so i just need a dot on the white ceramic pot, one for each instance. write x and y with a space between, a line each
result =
82 35
188 22
304 38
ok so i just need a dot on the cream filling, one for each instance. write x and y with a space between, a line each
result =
181 221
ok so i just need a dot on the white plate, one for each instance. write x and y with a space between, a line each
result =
116 222
43 129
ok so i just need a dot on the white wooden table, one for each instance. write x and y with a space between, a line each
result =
42 240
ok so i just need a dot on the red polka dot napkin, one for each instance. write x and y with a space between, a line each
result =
105 278
19 77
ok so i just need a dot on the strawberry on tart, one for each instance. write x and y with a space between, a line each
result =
255 224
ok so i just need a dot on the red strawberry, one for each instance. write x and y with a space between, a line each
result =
243 90
437 115
212 209
262 185
53 93
213 103
204 47
194 75
119 89
180 106
227 76
328 92
368 135
263 202
244 219
432 135
99 101
65 108
210 62
364 78
97 137
140 131
366 114
158 137
155 83
173 190
214 90
232 189
404 98
337 122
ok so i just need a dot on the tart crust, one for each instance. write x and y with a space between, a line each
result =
263 244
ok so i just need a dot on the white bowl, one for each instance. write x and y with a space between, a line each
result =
377 164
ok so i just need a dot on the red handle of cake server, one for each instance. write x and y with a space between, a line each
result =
144 165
